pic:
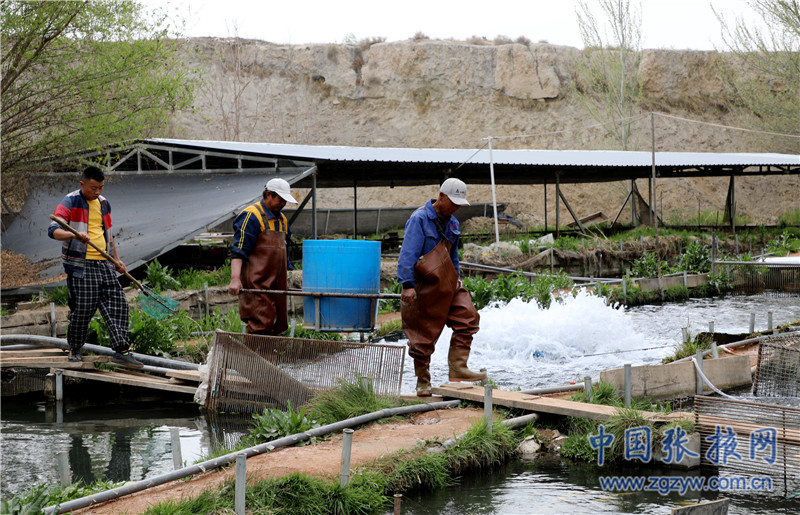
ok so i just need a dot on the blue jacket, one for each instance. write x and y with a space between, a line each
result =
421 235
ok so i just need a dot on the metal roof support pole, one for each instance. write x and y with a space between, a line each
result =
139 159
558 205
730 205
571 212
314 204
653 211
355 209
545 206
494 197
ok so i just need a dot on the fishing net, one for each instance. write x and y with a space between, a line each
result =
155 305
248 372
778 367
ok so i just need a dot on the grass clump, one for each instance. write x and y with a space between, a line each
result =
43 495
791 218
348 400
272 424
690 348
371 488
516 285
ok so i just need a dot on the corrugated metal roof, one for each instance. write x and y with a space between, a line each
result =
602 158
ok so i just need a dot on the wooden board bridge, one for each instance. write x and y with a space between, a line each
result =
545 404
178 381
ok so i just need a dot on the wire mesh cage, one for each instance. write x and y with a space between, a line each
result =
739 436
248 372
778 367
758 277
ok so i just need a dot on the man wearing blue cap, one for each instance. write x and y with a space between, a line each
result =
259 260
433 295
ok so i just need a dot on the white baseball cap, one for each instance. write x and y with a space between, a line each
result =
456 191
281 187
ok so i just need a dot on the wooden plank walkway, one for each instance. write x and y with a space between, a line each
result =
132 379
543 404
180 381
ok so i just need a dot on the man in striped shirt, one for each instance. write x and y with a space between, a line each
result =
91 282
259 260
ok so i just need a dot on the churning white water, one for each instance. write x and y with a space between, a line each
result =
524 346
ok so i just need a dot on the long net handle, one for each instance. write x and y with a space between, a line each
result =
304 293
102 252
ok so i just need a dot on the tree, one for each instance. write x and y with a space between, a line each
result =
764 69
79 75
607 83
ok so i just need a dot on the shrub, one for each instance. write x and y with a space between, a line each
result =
392 305
274 423
191 279
58 295
696 259
690 348
348 400
150 336
791 218
159 277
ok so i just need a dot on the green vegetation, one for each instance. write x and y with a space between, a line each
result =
77 75
395 327
516 285
58 295
689 348
348 400
758 61
391 305
161 337
301 332
192 279
159 277
43 495
371 488
577 445
790 218
273 424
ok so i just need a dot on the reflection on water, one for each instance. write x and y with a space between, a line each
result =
104 442
553 486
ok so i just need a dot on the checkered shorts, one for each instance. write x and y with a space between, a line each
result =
97 289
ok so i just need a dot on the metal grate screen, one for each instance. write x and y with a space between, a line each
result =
778 367
250 372
756 438
758 277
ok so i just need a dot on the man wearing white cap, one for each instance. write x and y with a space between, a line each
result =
433 295
259 259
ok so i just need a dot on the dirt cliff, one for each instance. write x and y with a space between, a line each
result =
448 94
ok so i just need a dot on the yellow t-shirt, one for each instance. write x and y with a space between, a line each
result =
96 233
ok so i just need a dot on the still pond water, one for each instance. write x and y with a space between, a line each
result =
521 345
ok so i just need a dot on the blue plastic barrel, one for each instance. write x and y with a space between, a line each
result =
341 266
